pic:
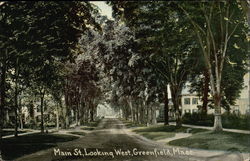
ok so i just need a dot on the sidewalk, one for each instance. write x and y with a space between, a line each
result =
26 133
54 130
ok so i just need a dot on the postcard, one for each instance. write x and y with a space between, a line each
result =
125 80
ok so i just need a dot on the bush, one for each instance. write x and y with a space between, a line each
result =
198 119
31 125
8 125
231 121
234 121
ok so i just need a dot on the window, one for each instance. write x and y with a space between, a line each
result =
186 101
195 101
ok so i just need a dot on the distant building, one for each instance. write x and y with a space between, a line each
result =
191 101
243 102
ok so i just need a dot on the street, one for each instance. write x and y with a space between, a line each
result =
112 141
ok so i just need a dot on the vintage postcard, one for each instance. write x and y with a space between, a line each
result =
125 80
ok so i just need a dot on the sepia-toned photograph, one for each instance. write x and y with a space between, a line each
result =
125 80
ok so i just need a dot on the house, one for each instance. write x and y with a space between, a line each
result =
242 105
190 102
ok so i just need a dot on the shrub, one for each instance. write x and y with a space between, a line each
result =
198 119
231 121
235 121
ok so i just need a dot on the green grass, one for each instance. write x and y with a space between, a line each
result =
157 135
78 133
91 125
130 124
161 132
170 128
23 145
227 141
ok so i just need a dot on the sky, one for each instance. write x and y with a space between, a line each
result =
104 8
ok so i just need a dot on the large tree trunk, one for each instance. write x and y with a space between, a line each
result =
131 109
153 115
82 113
217 113
148 117
21 119
166 107
77 116
205 91
178 116
16 123
91 111
16 99
42 114
137 113
142 113
64 115
2 92
65 112
87 112
175 93
57 117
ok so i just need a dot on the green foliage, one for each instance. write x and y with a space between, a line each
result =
231 121
37 39
226 141
198 119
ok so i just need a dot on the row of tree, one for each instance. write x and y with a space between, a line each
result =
204 43
79 58
38 44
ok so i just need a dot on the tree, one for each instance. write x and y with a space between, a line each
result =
154 24
214 36
43 33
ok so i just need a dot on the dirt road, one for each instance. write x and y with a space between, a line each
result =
111 141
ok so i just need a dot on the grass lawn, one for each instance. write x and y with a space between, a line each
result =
227 141
23 145
78 133
91 125
94 123
157 135
170 128
161 131
130 124
11 132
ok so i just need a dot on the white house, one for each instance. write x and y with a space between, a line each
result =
190 101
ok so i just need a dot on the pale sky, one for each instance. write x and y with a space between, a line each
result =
105 9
